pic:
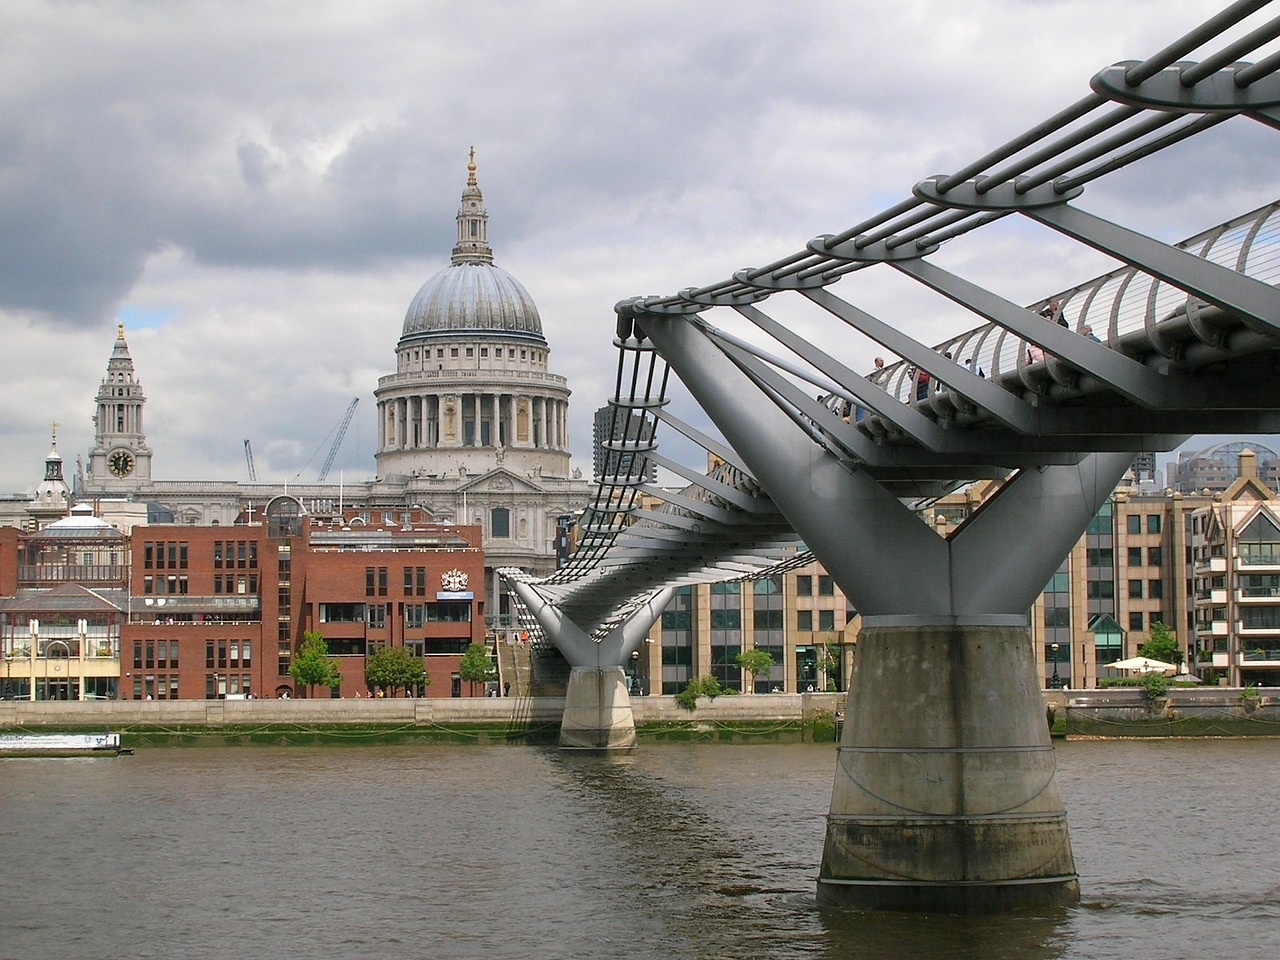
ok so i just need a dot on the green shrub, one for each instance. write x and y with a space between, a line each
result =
1155 685
706 686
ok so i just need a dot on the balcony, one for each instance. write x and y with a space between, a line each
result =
1245 630
1260 657
1258 555
31 574
188 610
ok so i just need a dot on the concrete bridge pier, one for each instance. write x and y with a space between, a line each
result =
597 706
597 711
944 796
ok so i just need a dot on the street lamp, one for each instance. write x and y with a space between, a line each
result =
1055 682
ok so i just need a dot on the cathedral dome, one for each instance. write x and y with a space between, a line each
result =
472 297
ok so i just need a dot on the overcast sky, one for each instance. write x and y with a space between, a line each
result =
258 189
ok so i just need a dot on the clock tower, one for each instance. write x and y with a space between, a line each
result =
120 461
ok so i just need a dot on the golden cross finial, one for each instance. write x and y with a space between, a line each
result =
55 432
120 329
471 169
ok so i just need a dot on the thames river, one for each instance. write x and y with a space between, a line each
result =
674 852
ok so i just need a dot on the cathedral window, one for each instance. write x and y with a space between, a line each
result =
500 522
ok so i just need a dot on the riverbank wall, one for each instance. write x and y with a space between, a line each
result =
776 717
1184 712
1112 712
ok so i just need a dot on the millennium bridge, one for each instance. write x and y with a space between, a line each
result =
944 794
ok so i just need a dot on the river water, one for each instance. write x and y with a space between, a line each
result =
679 851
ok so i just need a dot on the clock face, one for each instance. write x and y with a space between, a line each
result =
453 580
120 463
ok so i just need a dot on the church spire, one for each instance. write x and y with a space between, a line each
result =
52 498
473 222
120 459
53 462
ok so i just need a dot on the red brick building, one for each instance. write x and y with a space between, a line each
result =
213 612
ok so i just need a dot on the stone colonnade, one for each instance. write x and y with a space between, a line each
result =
428 421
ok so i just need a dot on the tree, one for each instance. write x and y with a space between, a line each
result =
705 686
476 667
390 668
312 664
829 665
1155 685
1163 645
755 662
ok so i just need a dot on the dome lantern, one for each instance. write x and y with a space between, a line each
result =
471 296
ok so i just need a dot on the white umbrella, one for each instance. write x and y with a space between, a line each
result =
1143 665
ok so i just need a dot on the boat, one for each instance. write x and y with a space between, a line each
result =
61 745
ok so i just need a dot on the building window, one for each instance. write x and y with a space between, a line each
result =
500 522
449 611
804 586
826 587
1135 589
1135 556
1155 556
677 641
1155 589
1134 522
341 612
1153 523
1135 621
826 619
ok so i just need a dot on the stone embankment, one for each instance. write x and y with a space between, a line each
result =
1184 712
766 716
1213 711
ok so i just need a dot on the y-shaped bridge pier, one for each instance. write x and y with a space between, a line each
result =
944 795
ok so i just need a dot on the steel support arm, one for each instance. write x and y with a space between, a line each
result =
578 648
841 513
1255 302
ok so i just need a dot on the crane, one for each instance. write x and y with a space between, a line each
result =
337 440
248 459
340 430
